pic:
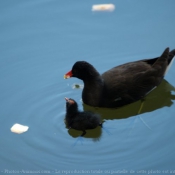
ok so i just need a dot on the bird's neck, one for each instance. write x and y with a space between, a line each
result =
72 112
93 91
70 117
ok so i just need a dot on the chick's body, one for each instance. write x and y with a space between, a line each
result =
80 120
83 120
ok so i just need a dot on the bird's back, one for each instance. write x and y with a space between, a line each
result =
85 120
130 82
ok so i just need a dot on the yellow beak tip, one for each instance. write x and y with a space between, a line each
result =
66 76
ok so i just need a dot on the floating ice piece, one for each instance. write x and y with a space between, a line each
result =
103 7
18 128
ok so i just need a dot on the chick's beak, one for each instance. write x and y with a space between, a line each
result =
68 75
66 99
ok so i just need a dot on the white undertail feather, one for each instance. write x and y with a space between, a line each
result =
168 67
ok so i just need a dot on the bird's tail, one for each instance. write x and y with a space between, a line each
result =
171 58
164 62
161 63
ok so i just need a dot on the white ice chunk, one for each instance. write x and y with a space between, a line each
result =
103 7
18 128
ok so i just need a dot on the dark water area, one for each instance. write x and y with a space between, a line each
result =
40 40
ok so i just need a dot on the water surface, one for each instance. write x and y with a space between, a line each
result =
40 41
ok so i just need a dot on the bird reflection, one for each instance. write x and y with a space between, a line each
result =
91 133
158 98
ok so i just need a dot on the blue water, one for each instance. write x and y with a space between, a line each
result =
40 40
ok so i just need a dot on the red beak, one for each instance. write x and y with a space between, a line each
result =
68 75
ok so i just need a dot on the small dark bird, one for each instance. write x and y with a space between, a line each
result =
80 120
122 84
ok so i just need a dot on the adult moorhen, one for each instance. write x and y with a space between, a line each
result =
80 120
122 84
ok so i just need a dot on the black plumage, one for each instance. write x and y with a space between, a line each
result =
80 120
122 84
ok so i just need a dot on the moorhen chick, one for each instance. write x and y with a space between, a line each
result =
80 120
122 84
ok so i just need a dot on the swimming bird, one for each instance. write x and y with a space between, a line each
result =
123 84
80 120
